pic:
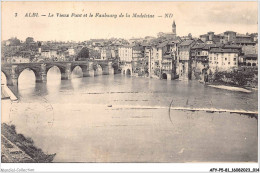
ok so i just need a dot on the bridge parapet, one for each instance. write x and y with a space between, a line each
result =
12 71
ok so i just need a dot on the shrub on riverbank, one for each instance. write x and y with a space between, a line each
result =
242 78
26 144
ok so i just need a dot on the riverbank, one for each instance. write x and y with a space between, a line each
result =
6 93
18 149
230 88
15 147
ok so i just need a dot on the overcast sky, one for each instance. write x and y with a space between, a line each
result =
191 17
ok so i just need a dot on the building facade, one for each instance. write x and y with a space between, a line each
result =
223 59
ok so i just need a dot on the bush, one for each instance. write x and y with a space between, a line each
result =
237 78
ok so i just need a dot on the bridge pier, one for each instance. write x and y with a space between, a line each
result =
12 80
89 71
14 76
98 71
41 76
105 71
108 69
169 76
66 74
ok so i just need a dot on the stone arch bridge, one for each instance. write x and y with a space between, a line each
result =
12 71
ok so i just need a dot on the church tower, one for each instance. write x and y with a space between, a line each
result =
174 28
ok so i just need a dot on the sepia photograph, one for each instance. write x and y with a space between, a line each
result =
129 82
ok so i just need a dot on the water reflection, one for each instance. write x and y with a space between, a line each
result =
41 89
127 119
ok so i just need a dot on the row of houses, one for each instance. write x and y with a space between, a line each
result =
177 58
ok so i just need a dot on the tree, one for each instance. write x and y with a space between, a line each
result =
29 40
83 54
189 35
14 42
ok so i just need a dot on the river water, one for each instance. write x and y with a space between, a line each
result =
127 119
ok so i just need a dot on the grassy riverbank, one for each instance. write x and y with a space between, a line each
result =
244 78
19 149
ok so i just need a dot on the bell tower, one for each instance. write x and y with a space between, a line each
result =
174 28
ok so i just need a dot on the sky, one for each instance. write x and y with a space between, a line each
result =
191 17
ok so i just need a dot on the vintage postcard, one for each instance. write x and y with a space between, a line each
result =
129 82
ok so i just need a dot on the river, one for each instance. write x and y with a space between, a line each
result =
127 119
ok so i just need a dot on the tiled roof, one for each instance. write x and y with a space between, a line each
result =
232 46
220 50
204 35
137 48
244 41
167 56
163 44
186 42
242 35
251 55
198 46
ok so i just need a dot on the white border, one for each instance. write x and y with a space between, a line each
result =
127 167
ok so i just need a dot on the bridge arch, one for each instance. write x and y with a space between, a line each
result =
53 74
82 67
164 76
35 69
65 70
36 73
62 70
25 78
7 76
98 70
77 71
3 78
128 72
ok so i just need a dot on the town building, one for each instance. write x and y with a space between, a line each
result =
223 59
94 54
230 36
251 60
184 58
200 59
18 59
250 49
138 62
125 54
105 54
168 35
71 51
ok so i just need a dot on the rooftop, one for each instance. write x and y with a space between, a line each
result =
243 35
251 55
186 42
163 44
220 50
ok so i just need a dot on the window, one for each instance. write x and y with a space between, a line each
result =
235 59
228 62
225 59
